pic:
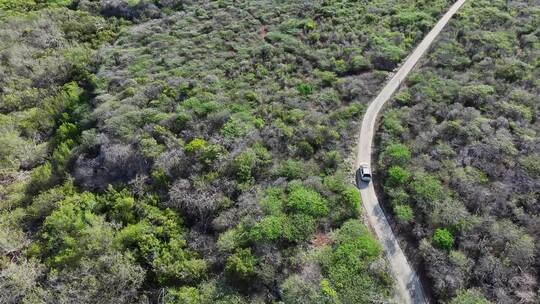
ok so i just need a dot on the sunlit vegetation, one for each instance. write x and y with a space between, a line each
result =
193 151
459 155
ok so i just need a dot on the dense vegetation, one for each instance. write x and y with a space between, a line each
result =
460 153
191 151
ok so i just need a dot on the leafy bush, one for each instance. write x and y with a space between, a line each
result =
291 169
346 263
241 264
270 228
397 176
304 89
307 201
427 189
395 155
404 213
360 64
443 239
470 296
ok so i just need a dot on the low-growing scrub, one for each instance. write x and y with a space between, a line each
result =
459 156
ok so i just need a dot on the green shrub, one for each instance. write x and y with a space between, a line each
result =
181 121
404 213
345 264
348 112
403 97
392 123
155 236
395 155
339 66
291 169
66 131
294 116
196 145
332 159
73 231
305 89
62 155
272 201
443 239
476 94
270 228
427 189
150 148
531 164
398 196
206 153
327 78
351 197
511 69
245 163
309 24
231 239
239 125
241 265
46 202
299 227
360 64
201 107
41 177
327 289
183 295
307 201
469 296
305 149
173 263
397 176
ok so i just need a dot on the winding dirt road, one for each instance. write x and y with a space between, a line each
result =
409 287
